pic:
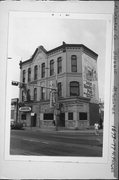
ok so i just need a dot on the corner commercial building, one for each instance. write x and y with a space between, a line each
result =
74 68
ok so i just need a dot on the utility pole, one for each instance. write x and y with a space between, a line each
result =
17 110
56 105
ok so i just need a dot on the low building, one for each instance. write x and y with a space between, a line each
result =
14 109
72 69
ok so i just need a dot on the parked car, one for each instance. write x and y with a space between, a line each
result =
16 125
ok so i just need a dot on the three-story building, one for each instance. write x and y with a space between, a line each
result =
72 68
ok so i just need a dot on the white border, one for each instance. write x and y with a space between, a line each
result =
108 19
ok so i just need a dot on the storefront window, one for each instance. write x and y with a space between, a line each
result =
82 116
48 116
23 116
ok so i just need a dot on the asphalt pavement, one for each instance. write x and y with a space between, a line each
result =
49 142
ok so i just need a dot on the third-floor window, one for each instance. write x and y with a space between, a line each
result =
43 70
74 63
51 67
29 74
35 72
59 65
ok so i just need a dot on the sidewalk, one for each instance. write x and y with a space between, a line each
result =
63 130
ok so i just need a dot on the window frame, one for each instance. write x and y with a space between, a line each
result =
70 116
72 87
59 65
22 96
24 76
47 118
59 88
29 74
51 67
42 70
35 72
42 94
73 63
35 94
28 95
83 114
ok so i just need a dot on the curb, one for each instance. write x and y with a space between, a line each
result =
63 130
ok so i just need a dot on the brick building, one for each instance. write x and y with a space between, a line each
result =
74 68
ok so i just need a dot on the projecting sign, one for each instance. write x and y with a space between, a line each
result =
25 109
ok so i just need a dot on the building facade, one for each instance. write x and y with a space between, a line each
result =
14 109
72 70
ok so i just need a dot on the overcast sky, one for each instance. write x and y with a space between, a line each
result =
27 33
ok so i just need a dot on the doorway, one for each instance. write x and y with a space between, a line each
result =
33 120
62 120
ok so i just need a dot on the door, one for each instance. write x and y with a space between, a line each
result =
33 120
62 120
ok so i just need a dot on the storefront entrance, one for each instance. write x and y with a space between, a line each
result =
33 120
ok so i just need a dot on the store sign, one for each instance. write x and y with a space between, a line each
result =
25 109
32 114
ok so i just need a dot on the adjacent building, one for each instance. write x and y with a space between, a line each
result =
72 69
14 110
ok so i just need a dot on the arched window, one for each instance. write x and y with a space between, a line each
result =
28 95
74 88
24 76
59 65
43 70
59 89
51 67
35 94
74 63
23 98
35 72
29 74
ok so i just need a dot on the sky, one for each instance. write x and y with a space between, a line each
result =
27 33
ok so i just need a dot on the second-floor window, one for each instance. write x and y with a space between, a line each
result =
51 67
42 93
74 88
59 65
29 74
74 63
43 70
35 72
28 95
24 76
59 89
23 98
35 94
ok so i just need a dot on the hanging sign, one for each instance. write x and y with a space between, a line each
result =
25 109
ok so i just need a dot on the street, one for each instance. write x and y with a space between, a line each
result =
55 143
